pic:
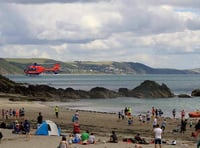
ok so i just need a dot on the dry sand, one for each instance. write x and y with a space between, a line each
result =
101 124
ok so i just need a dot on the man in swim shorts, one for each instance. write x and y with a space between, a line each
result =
157 136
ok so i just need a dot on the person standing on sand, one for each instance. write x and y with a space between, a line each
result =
26 126
157 136
183 126
155 122
197 130
39 119
182 114
3 113
76 127
153 111
163 125
56 109
174 113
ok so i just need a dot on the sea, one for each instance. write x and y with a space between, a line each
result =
178 84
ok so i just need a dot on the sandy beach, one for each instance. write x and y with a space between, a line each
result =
101 124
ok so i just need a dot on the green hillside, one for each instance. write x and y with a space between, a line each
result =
17 66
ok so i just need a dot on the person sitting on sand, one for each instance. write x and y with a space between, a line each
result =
17 127
140 140
63 143
85 137
70 139
91 139
113 137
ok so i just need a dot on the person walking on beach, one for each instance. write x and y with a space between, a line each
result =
56 109
157 136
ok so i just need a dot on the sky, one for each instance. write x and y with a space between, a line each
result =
157 33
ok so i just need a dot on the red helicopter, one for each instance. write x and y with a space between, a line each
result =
37 69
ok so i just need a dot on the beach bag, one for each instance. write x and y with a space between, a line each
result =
173 142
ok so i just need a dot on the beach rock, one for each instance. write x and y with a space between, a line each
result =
147 89
151 89
70 93
123 92
195 92
184 96
101 92
6 85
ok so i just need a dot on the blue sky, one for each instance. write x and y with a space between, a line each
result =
156 33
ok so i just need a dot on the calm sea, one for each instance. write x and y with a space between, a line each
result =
177 83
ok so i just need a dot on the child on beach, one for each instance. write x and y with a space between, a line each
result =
26 126
163 125
191 123
113 137
70 139
63 143
91 139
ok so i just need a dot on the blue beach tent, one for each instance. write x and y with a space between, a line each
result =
48 128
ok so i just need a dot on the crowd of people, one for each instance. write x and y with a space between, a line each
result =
12 113
77 136
158 129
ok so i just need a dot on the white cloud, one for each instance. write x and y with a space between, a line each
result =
139 31
59 48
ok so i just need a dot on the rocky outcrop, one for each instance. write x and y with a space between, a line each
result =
147 89
196 93
100 92
184 96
